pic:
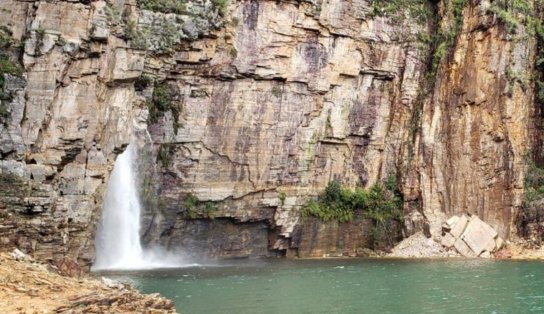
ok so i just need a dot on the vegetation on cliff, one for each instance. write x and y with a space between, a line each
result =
534 183
195 209
417 9
531 215
174 6
164 6
514 14
381 202
160 102
7 66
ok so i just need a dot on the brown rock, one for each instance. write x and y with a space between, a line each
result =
68 266
503 254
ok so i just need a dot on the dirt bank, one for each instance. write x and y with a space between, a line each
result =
27 286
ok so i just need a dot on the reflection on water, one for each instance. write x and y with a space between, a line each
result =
350 286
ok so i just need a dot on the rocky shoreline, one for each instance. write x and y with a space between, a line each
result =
28 286
419 246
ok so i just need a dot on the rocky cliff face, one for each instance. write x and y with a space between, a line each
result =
67 115
288 97
477 123
252 108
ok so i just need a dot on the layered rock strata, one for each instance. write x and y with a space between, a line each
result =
288 97
252 109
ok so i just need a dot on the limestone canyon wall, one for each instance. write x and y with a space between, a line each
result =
266 102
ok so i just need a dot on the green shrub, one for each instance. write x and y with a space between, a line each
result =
534 183
192 214
221 5
516 13
6 39
4 112
417 9
233 52
7 66
160 102
538 29
164 6
113 15
164 36
283 196
210 208
195 208
509 20
142 82
190 202
381 202
164 156
531 210
139 38
161 97
444 39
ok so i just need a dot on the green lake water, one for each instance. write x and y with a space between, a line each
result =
350 286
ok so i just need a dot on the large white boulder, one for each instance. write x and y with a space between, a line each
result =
463 249
470 236
479 236
459 227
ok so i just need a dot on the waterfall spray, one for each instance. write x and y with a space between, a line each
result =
118 242
118 235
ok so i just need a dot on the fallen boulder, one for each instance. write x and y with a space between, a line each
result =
478 235
459 227
470 236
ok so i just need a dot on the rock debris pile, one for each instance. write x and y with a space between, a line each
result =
27 286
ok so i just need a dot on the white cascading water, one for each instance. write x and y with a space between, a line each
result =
118 244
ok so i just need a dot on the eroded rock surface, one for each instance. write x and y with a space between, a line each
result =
288 98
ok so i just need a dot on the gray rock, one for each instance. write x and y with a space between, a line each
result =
191 30
112 284
71 48
20 256
100 31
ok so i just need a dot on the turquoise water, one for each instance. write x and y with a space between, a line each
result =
351 286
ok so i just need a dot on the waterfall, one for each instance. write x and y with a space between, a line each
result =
118 244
